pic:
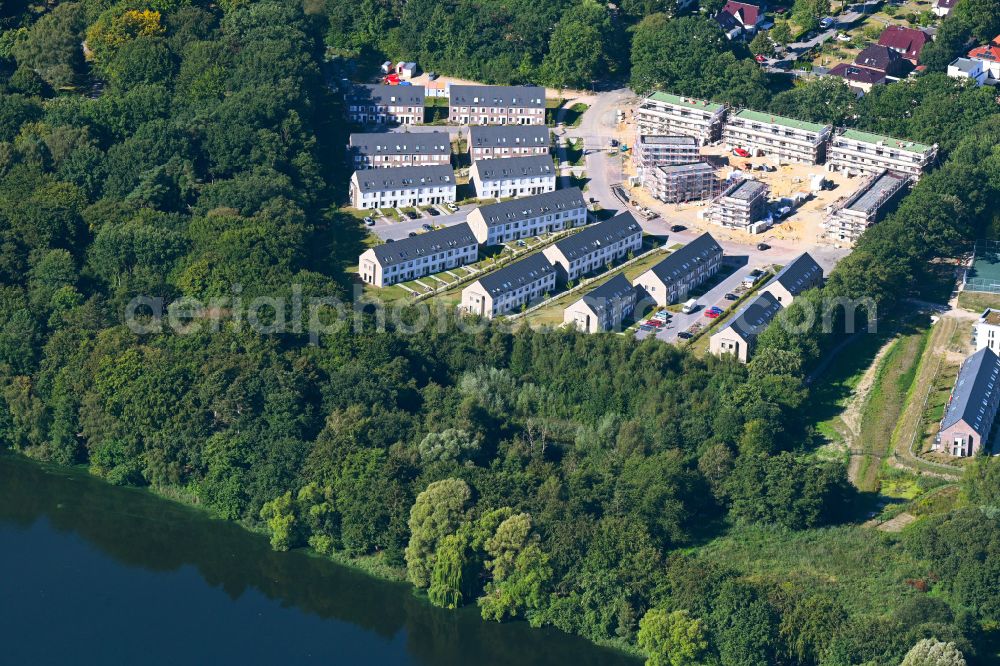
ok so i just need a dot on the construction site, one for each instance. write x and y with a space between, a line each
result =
866 206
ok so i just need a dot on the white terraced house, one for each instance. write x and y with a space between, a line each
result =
851 216
375 150
671 280
402 187
377 104
787 139
666 113
594 247
870 154
508 289
513 177
496 142
603 308
496 105
417 256
529 216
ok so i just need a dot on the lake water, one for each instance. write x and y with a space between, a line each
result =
94 574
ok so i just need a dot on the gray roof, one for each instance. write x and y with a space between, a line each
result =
386 95
421 245
686 167
967 65
516 275
799 274
681 262
667 140
494 136
612 291
597 235
517 210
526 166
402 178
970 399
745 190
754 317
401 143
871 197
505 96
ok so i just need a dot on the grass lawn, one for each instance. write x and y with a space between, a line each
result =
977 301
574 152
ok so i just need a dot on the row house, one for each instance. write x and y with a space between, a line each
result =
375 150
799 275
972 408
596 246
380 104
860 152
501 141
740 205
866 206
513 177
510 288
508 221
604 308
402 187
496 105
738 337
678 183
785 138
671 280
417 256
668 114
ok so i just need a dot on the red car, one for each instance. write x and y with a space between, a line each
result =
711 314
740 152
760 58
655 323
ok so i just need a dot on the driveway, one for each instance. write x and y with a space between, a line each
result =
398 230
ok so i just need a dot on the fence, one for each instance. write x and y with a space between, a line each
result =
984 273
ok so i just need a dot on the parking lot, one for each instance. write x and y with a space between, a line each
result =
391 228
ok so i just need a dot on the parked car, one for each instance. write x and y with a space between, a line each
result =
825 22
684 335
434 212
390 240
643 327
614 143
763 246
432 76
716 308
732 297
677 227
783 212
662 315
452 207
711 314
740 152
761 58
412 234
369 221
691 305
412 215
654 322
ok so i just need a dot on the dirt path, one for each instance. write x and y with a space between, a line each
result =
851 416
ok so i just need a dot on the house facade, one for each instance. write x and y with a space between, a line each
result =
866 153
740 205
417 256
986 332
968 68
989 56
496 142
402 187
785 138
866 206
739 336
513 177
858 77
651 150
668 114
506 290
375 150
672 279
378 104
800 274
496 105
604 308
884 59
908 42
943 7
678 183
739 19
972 408
508 221
595 246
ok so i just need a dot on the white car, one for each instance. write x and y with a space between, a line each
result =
825 22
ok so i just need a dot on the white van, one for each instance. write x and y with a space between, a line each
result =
690 306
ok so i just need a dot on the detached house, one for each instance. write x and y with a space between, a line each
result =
943 7
505 290
603 308
529 216
496 142
989 56
739 336
883 59
378 104
972 407
513 177
496 105
416 256
595 246
673 278
908 42
739 18
402 187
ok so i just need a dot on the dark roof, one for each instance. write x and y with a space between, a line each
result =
598 235
686 258
386 95
492 136
686 167
516 275
421 245
945 4
798 275
754 317
401 178
871 196
396 143
970 399
524 166
526 208
747 189
507 96
876 56
608 293
858 74
727 21
908 40
667 140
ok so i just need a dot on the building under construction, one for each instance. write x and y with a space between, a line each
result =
741 205
652 150
677 183
851 216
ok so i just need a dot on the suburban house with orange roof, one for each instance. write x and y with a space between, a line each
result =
739 18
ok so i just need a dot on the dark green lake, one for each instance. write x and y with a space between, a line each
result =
94 574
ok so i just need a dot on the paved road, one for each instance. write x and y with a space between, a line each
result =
397 230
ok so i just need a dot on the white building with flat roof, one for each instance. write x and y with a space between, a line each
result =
666 113
787 139
866 206
866 153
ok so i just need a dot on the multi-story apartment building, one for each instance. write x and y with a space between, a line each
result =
530 216
374 150
673 278
740 205
986 332
972 408
505 290
603 308
496 105
513 177
678 183
595 246
652 150
378 104
739 336
866 153
493 141
666 113
402 187
416 256
785 138
866 206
